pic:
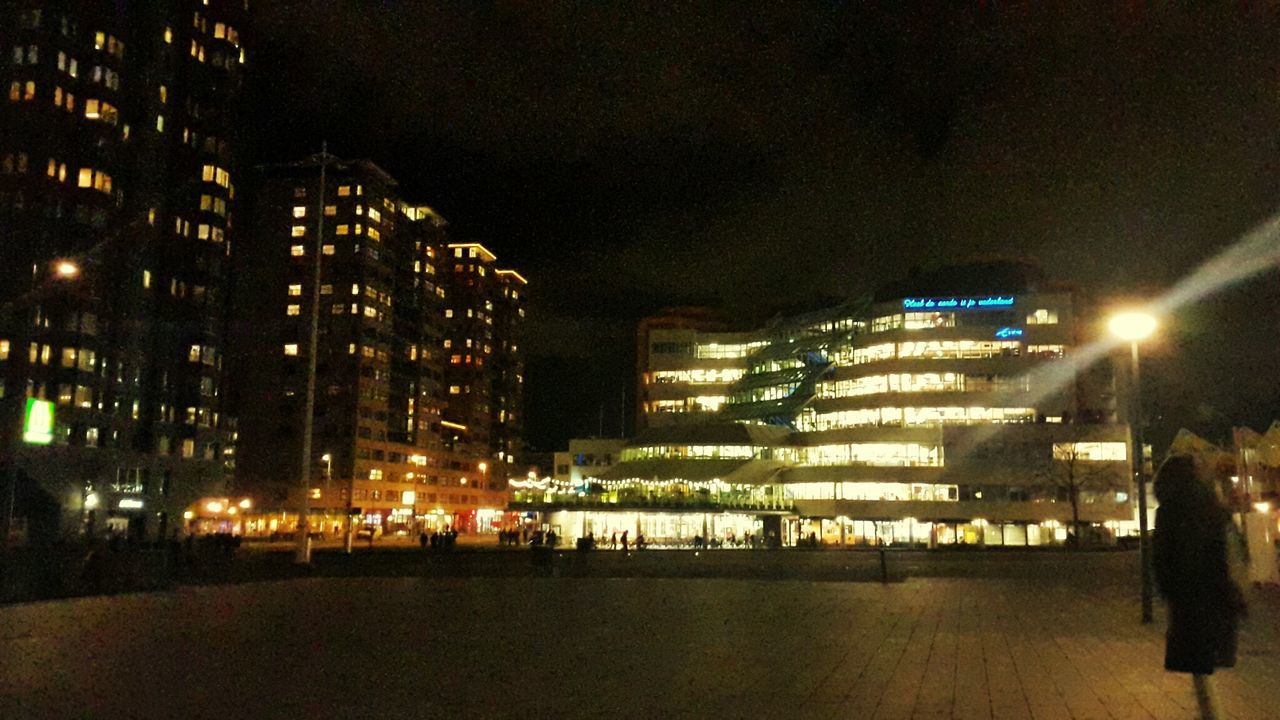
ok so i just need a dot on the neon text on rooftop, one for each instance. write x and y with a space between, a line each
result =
958 303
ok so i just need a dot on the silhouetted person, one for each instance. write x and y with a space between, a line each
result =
624 540
613 541
1195 545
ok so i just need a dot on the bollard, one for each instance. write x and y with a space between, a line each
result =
884 568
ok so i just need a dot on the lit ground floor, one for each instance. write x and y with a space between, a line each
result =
218 515
742 529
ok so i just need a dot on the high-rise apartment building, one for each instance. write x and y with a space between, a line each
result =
380 442
117 187
484 373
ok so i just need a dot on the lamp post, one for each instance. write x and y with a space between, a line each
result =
328 481
302 556
1134 326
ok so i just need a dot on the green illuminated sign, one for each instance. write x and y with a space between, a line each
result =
37 422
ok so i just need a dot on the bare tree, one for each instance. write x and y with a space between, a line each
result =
1073 471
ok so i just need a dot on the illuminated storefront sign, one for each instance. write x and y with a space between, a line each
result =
129 504
1009 332
37 422
958 303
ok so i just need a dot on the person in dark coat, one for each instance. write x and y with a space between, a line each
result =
1194 549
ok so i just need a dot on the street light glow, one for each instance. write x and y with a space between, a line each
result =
1132 325
326 457
66 269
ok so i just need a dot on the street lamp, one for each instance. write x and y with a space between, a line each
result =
66 270
1133 327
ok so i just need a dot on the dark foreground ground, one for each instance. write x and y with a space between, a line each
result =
959 636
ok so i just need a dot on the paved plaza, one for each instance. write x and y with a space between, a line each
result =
528 647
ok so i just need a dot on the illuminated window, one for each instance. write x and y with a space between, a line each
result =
1043 316
4 349
298 231
299 211
1091 451
375 474
343 229
293 310
330 210
297 250
291 349
295 290
86 178
328 249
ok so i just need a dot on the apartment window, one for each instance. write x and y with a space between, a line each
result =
343 229
344 190
330 210
298 230
293 310
299 211
4 349
328 249
291 349
375 474
295 290
297 251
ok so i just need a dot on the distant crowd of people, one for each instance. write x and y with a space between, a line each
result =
439 539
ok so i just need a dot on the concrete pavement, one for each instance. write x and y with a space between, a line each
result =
1065 647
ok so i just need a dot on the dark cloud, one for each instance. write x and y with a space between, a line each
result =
631 155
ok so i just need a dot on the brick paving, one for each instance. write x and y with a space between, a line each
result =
1070 647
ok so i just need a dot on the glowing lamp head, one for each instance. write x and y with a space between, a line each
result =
1132 326
245 504
326 457
214 506
66 270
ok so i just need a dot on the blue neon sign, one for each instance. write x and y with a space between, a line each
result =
1009 332
958 303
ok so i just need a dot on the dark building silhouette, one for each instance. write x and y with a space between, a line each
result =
117 154
381 414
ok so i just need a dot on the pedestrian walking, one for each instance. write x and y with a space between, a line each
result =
624 540
1197 556
613 541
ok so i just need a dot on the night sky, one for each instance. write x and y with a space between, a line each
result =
758 157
